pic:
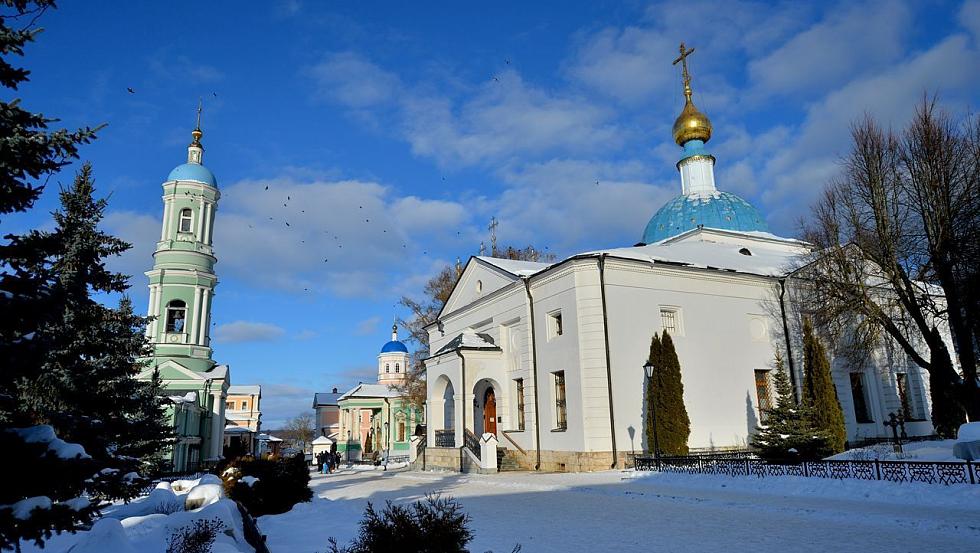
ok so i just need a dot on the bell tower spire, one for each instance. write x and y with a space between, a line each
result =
195 151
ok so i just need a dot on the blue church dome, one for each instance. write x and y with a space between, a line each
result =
394 346
721 210
194 172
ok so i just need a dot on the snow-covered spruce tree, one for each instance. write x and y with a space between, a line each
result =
77 372
665 393
788 433
819 392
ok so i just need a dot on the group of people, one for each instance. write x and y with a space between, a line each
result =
327 461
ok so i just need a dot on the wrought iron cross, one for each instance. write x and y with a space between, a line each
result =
200 106
493 235
682 59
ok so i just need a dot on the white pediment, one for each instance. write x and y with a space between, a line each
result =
479 279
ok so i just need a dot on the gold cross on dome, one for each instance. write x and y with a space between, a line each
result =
682 59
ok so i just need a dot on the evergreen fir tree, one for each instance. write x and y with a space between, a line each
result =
666 394
819 392
788 434
78 368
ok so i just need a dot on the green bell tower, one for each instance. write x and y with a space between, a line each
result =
182 283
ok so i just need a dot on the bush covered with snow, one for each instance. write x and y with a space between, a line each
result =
270 485
434 524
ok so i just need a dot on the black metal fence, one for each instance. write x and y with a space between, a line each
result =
929 472
445 438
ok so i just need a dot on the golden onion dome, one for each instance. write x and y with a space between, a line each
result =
691 124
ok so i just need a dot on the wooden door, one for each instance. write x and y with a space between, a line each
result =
490 412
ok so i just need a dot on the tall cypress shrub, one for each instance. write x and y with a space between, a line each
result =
665 393
819 392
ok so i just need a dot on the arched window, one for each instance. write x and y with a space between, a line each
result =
387 368
397 367
186 217
176 314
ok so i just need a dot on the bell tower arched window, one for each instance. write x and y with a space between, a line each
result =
186 219
387 368
176 316
397 367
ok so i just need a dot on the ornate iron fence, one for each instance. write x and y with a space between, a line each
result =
929 472
471 442
445 438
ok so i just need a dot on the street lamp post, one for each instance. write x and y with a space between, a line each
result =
348 446
648 369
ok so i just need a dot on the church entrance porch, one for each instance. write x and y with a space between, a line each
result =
486 415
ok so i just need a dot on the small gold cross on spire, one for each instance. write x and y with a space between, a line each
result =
682 59
197 133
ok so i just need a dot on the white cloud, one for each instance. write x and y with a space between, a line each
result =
506 117
367 326
352 80
856 38
969 18
247 331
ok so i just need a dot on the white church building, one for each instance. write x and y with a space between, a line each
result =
548 357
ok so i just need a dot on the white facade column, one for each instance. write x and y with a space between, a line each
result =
159 311
217 424
459 423
208 213
200 222
151 326
205 316
196 320
167 208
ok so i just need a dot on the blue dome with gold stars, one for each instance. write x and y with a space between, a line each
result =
717 209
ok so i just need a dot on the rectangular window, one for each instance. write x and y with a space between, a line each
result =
230 405
861 413
520 403
244 406
668 321
401 431
561 416
554 324
908 398
763 394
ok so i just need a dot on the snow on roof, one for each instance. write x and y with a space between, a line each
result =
189 397
469 339
253 390
371 390
513 266
326 398
752 257
268 438
322 440
232 429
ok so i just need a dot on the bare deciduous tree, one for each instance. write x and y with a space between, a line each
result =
892 235
300 430
424 310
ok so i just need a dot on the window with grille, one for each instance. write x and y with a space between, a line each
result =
520 403
668 321
763 394
401 431
561 415
860 399
398 367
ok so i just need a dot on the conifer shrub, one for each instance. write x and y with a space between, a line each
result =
665 393
433 524
279 483
819 392
788 434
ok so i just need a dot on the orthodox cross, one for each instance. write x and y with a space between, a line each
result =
200 105
682 59
493 235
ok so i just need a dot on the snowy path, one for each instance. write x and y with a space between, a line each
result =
653 512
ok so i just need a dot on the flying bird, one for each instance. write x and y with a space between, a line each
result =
287 223
130 90
267 187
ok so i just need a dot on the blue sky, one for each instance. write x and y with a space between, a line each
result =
398 129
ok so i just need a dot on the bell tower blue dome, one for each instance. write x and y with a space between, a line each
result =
395 345
721 210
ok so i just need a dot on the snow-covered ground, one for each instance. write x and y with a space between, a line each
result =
937 450
628 511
